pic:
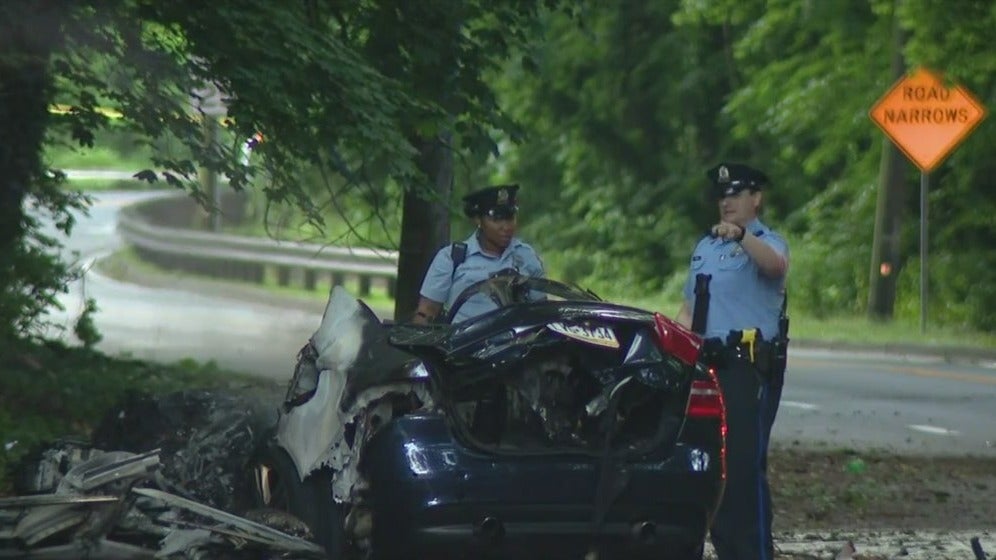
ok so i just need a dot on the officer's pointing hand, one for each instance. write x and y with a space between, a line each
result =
727 230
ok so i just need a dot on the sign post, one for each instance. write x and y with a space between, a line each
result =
926 119
208 100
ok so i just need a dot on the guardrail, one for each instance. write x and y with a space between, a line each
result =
251 258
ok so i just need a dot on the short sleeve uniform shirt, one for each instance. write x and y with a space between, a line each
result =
741 297
444 284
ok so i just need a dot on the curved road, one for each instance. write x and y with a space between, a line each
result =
172 324
844 400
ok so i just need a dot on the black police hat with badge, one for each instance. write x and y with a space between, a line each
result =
495 202
729 179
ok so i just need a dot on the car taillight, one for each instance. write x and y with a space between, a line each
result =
706 401
677 340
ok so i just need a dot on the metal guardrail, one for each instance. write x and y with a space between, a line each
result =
246 258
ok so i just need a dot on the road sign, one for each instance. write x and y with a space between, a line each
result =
925 118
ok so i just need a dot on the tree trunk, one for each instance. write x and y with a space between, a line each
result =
24 93
425 223
886 259
28 31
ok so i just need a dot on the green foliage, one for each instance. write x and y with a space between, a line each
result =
953 38
347 95
613 157
607 113
113 148
84 328
33 276
627 109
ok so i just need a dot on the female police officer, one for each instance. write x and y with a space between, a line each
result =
747 263
491 248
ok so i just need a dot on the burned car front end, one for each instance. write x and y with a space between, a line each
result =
551 427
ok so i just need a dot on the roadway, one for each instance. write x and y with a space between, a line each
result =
862 400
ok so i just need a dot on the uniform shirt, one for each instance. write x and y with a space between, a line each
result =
741 297
443 284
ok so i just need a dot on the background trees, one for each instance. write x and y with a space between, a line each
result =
607 112
631 107
371 98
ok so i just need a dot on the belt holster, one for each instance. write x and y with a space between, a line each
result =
749 345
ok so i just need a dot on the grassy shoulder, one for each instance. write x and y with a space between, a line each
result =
50 390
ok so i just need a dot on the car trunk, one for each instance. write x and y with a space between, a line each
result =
580 382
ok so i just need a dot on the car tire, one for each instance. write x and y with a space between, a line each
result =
309 500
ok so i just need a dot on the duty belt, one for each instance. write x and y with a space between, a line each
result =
747 345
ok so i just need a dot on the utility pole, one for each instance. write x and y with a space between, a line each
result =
886 258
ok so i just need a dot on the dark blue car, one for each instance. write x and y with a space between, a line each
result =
556 426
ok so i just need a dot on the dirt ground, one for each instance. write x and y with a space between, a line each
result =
889 506
845 490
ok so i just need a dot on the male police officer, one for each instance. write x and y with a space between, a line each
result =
744 327
493 247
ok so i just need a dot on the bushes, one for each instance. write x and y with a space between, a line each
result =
962 290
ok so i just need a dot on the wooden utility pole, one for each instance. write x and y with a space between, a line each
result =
886 258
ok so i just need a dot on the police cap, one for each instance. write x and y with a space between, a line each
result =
730 178
496 202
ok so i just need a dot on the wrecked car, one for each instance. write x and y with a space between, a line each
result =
555 426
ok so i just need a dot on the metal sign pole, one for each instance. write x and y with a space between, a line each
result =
924 184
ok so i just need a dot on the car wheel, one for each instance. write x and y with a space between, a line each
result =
279 487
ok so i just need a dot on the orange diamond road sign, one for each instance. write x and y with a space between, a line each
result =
926 118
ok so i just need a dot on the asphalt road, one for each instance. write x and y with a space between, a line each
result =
916 405
839 398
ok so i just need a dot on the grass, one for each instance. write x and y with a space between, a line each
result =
849 329
98 157
113 149
898 331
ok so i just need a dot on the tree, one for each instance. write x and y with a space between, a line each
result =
30 276
371 94
624 110
630 107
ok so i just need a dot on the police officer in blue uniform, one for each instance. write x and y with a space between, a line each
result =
492 247
746 263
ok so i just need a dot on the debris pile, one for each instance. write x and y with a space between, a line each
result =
110 505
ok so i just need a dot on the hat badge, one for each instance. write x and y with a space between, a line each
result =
724 174
502 196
